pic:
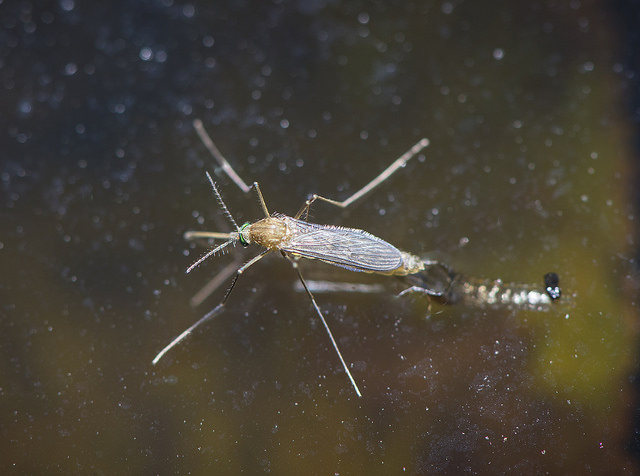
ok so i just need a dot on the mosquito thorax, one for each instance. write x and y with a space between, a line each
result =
268 232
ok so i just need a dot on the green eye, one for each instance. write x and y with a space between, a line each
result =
242 240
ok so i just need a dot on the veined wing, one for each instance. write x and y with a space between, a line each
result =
350 248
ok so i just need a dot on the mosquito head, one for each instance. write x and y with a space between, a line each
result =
244 234
240 234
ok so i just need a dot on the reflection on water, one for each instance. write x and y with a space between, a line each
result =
450 287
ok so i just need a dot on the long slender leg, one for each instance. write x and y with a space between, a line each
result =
386 173
216 310
324 322
213 150
206 235
422 292
214 283
261 198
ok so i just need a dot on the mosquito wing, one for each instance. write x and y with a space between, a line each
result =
350 248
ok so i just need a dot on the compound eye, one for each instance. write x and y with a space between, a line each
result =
243 242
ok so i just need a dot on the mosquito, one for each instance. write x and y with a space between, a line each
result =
295 238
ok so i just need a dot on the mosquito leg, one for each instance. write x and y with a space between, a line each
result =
206 235
203 319
413 289
324 322
422 292
261 198
214 283
305 208
213 150
386 173
216 310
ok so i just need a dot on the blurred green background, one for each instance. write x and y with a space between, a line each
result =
531 168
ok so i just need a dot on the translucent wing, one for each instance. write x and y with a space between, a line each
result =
350 248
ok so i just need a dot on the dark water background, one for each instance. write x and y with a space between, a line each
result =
531 168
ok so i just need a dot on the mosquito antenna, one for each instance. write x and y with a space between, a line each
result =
221 202
210 253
